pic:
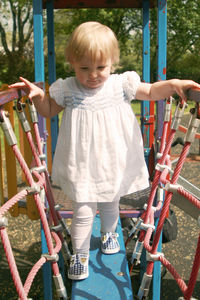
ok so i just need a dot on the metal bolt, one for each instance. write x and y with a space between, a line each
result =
120 273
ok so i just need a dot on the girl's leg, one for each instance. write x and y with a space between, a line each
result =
81 227
109 214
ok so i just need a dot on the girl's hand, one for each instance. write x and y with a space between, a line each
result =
29 88
182 86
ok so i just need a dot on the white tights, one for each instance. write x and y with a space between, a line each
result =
83 218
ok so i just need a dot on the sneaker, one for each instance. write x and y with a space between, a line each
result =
78 268
109 243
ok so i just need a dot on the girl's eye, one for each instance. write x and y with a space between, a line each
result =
84 68
101 67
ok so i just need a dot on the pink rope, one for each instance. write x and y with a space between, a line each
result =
23 165
33 273
33 148
43 182
12 264
6 206
181 283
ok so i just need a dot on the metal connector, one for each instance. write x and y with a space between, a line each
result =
33 189
147 226
42 157
144 287
154 257
168 107
33 112
57 228
161 168
137 252
3 222
134 231
38 169
7 129
19 107
178 115
192 128
173 188
51 258
60 288
160 194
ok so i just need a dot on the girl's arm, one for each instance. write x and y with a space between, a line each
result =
46 106
164 89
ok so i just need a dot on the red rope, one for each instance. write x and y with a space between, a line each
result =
12 264
194 273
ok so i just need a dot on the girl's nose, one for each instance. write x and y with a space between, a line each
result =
93 74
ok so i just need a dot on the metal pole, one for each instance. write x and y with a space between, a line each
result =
39 76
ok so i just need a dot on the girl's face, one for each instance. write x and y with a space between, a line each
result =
92 74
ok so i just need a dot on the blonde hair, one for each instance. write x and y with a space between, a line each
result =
95 39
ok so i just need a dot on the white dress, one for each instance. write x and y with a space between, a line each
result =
99 154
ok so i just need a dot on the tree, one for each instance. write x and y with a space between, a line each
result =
183 39
124 22
16 27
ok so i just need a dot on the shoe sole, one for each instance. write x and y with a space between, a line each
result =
78 277
110 251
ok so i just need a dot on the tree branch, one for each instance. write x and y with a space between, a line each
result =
3 40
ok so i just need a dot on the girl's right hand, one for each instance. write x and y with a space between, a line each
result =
29 88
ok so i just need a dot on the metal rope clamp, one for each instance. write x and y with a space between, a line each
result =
33 111
51 257
3 222
33 189
7 129
193 126
168 107
154 257
60 287
40 169
137 252
145 285
161 168
178 114
173 188
42 156
19 107
147 226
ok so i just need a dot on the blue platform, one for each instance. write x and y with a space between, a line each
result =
108 274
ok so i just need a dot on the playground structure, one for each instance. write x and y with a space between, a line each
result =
38 185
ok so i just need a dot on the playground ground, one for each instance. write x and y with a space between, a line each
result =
25 239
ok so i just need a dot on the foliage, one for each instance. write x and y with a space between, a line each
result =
183 38
124 22
16 27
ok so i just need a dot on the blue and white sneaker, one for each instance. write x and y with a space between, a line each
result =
109 243
78 268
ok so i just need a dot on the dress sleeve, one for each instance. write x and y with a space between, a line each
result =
56 91
130 83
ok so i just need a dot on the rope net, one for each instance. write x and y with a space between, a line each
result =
164 185
39 186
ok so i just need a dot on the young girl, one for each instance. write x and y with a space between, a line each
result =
99 155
